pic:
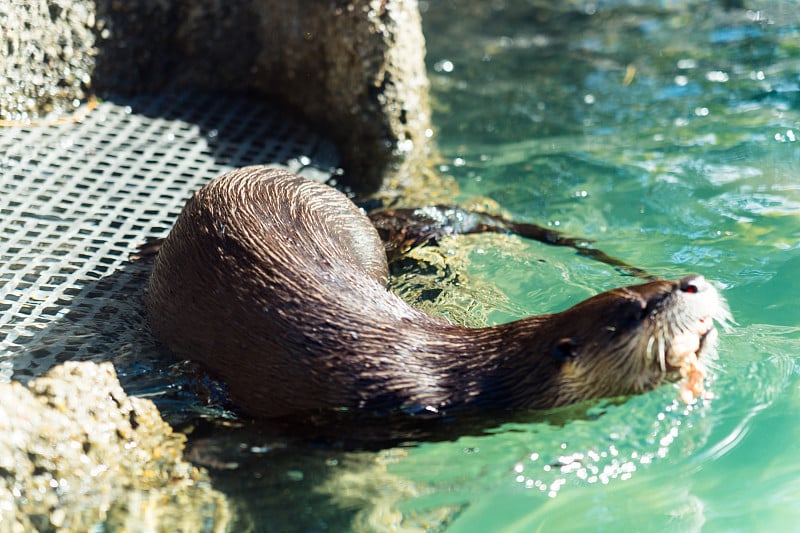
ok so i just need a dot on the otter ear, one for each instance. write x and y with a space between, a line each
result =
633 312
566 349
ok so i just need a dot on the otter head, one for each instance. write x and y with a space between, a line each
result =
629 340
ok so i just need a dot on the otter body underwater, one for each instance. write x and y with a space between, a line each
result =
277 285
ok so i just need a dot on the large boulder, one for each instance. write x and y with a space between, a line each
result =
356 68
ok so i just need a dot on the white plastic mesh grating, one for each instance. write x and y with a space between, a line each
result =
76 199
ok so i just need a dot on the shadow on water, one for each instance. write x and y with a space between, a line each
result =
332 471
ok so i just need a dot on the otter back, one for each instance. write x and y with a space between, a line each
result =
257 281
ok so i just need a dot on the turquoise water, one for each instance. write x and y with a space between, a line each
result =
669 133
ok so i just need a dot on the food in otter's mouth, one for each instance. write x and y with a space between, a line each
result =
685 355
278 285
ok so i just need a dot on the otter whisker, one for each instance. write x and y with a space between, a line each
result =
662 364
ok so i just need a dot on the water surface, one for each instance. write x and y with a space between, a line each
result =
669 133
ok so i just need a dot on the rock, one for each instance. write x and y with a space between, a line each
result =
356 69
46 57
78 454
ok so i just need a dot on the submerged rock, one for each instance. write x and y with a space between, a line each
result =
78 454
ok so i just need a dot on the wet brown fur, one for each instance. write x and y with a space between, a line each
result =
277 285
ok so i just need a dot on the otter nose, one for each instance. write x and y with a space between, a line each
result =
693 284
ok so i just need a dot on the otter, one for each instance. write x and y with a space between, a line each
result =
277 285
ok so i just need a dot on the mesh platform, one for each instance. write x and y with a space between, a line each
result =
76 199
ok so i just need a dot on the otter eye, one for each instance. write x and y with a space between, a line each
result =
566 349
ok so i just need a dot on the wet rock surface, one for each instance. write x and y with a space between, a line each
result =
78 454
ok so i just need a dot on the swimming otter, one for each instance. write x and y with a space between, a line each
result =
277 285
